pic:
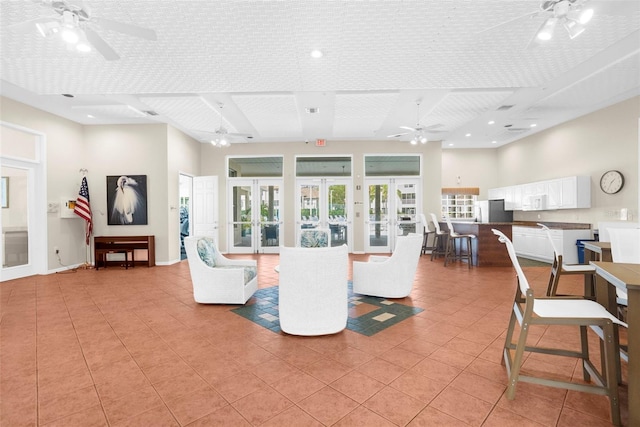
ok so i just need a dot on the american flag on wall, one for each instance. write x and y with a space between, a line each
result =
83 208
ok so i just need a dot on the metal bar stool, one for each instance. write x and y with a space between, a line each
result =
440 239
451 254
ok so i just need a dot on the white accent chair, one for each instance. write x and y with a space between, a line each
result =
529 311
313 291
559 268
217 279
389 277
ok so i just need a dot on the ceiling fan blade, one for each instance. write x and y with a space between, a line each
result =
408 128
508 22
397 135
29 26
431 127
121 27
241 135
101 45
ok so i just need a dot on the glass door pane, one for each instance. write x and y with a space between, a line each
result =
338 213
240 232
269 216
15 225
406 206
378 221
309 205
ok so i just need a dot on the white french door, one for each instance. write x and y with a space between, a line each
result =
255 220
326 203
393 205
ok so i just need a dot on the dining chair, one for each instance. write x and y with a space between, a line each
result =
625 248
440 239
530 311
559 268
451 252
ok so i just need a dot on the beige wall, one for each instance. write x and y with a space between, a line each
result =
65 156
607 139
476 168
589 145
183 156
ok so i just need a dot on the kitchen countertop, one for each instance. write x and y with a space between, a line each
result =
552 225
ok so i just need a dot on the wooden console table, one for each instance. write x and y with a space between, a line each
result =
103 245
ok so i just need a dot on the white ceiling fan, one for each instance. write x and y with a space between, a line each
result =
419 132
223 138
573 15
74 25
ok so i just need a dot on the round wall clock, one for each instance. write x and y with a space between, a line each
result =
611 182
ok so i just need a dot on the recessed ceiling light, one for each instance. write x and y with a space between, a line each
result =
316 53
451 144
468 135
494 142
533 125
90 116
491 122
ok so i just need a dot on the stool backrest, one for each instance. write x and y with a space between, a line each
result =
522 279
434 219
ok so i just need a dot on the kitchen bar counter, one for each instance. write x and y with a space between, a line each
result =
554 225
487 250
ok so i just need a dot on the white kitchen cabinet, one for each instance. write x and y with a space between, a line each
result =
576 192
513 198
496 193
571 192
533 243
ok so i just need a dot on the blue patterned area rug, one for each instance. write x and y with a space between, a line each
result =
367 315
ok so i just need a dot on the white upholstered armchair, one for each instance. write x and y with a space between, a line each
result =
313 290
389 277
217 279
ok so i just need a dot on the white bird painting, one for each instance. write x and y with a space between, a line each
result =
128 200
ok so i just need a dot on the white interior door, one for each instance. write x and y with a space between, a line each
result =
205 206
392 210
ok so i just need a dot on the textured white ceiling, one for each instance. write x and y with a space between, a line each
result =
381 59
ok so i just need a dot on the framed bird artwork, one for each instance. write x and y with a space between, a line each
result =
127 199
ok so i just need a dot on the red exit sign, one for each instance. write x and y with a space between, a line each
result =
321 142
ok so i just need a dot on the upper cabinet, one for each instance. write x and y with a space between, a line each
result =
572 192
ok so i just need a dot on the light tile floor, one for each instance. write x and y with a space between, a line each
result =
131 348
